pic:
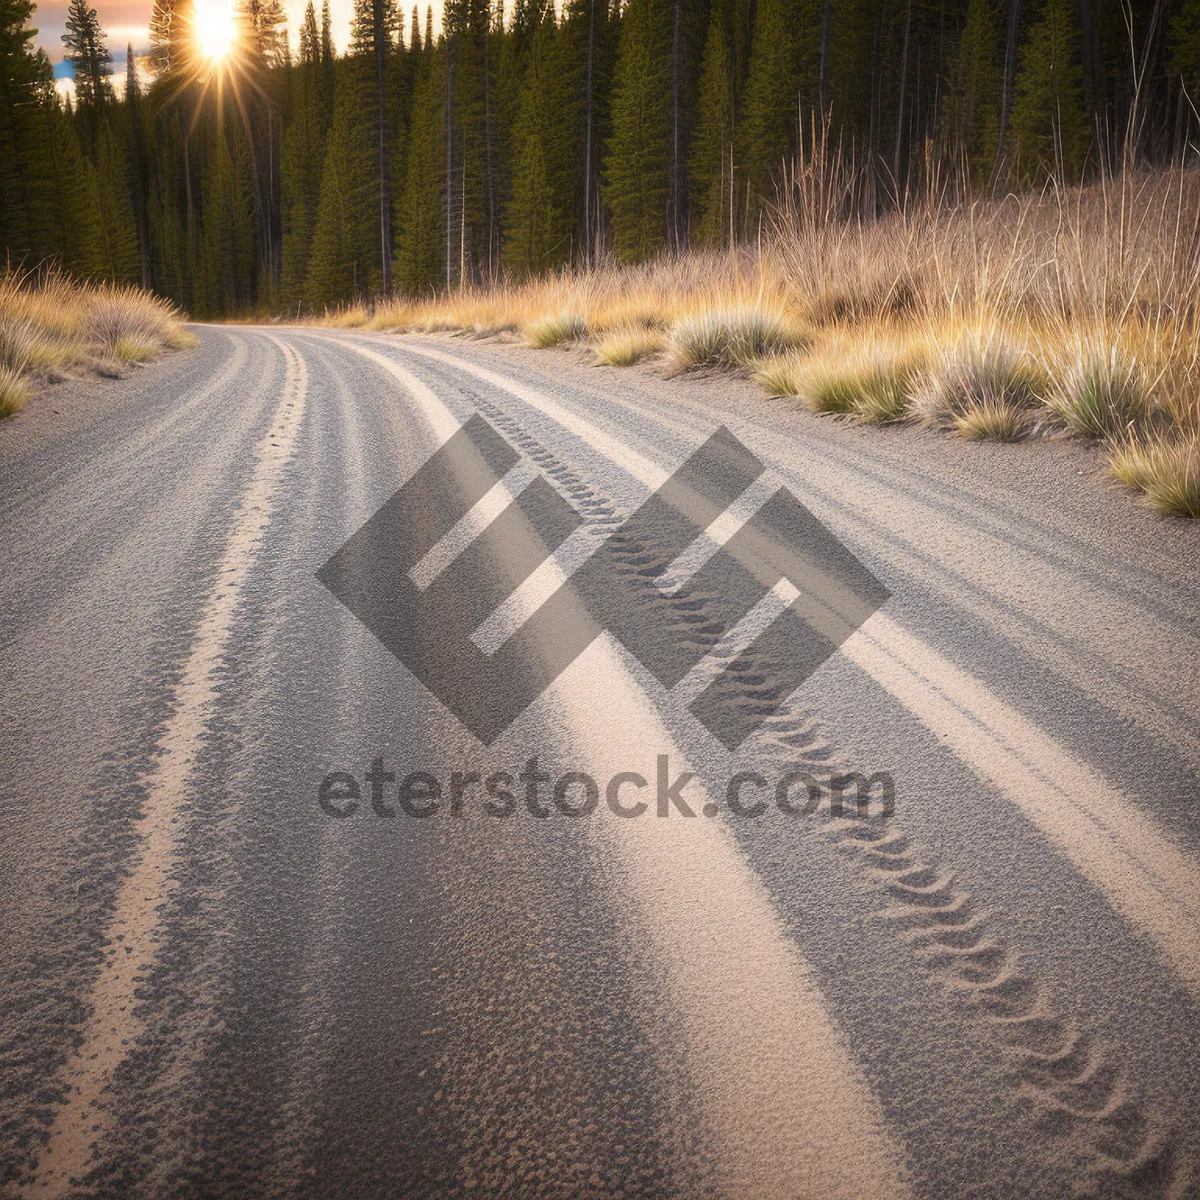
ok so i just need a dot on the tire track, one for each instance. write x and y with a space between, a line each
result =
1111 842
114 1024
784 1107
1105 1135
1101 1128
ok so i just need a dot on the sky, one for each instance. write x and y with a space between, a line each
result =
129 22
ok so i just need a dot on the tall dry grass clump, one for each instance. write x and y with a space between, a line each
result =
730 337
986 387
1166 470
568 325
632 344
51 325
1080 306
1070 310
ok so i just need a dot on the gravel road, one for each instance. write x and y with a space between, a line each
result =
275 921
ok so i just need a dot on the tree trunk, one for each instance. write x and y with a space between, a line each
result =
825 16
1010 71
587 144
449 160
382 44
900 102
674 191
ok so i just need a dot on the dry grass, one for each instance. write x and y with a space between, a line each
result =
984 387
782 375
51 326
991 421
1075 309
869 373
565 326
1100 392
135 348
1167 472
730 337
14 391
624 347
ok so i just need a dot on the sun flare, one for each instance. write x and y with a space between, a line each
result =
215 28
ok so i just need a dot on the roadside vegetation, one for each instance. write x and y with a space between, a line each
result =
648 180
1069 312
52 328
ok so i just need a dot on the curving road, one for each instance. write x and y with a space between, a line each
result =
240 957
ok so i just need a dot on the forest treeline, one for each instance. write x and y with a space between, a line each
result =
513 143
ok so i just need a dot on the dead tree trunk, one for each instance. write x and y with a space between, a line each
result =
900 101
1010 71
382 38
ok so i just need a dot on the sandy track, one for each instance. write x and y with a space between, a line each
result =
993 993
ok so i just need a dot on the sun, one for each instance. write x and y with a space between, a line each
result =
214 26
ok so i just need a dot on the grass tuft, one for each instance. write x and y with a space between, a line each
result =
1167 472
624 347
182 339
18 344
1100 395
729 338
871 378
825 389
119 315
560 327
987 420
983 388
782 375
135 348
14 391
50 324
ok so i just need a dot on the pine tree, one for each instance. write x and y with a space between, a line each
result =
591 32
25 77
263 34
512 61
63 198
377 26
310 40
139 175
402 70
170 50
259 81
1048 127
778 88
541 214
639 150
689 24
851 80
471 248
88 54
344 257
166 208
974 108
303 160
1184 38
327 68
712 150
421 230
117 250
227 259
